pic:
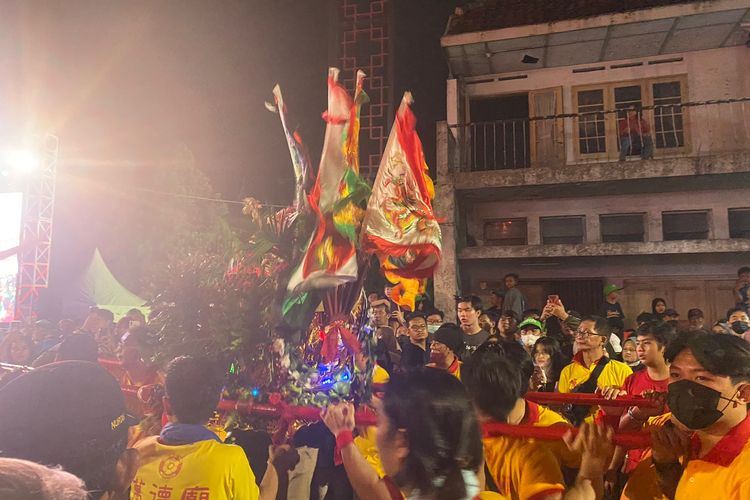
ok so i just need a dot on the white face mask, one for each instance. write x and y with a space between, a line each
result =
529 339
432 328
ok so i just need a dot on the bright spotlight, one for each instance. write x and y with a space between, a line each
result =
22 161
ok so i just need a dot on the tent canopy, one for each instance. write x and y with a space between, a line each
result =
98 286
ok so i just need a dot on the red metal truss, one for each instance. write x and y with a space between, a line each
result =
36 232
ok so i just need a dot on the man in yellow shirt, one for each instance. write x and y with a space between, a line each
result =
187 460
523 468
705 451
590 361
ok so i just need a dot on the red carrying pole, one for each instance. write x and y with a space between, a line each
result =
627 440
558 398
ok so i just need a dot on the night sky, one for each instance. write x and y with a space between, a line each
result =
125 84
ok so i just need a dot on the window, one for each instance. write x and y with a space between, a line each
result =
562 230
739 222
602 111
591 126
505 232
688 225
621 228
668 126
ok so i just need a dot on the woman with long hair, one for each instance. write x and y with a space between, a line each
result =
548 363
427 437
16 349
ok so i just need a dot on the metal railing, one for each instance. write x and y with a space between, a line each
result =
662 131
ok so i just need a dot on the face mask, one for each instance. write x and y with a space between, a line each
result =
432 328
694 404
529 339
740 327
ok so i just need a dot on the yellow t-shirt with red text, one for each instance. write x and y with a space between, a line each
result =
205 470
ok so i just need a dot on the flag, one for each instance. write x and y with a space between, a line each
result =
330 257
297 151
400 226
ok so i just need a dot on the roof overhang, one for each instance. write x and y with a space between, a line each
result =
643 33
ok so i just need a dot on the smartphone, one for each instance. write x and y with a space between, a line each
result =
555 299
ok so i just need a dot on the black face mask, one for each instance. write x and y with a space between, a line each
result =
695 405
740 327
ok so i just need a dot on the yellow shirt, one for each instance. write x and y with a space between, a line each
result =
724 472
522 469
541 416
643 483
365 443
576 373
203 470
380 375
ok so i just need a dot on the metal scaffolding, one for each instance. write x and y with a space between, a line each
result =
36 232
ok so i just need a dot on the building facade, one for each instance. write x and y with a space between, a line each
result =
611 148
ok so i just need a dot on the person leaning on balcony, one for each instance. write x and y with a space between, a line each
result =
634 130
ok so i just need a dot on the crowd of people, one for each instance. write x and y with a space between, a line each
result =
440 388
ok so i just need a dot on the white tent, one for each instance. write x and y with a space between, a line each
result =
98 286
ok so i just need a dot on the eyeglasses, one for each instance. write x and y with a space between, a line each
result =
418 327
585 334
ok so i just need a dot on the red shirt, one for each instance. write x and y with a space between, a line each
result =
633 126
635 385
640 382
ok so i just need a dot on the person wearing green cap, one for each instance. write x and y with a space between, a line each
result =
531 330
612 308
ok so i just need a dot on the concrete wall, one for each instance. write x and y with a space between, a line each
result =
717 202
709 74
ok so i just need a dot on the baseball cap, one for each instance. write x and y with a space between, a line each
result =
671 312
450 335
611 288
531 322
70 413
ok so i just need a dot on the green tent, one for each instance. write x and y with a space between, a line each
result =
98 286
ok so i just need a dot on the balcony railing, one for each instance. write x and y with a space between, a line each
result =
651 132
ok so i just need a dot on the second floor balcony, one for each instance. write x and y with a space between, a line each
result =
609 138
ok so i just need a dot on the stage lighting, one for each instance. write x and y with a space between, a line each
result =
22 161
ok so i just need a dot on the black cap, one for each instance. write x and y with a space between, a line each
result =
452 336
671 312
68 413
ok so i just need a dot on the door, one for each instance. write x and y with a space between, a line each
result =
720 295
547 139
